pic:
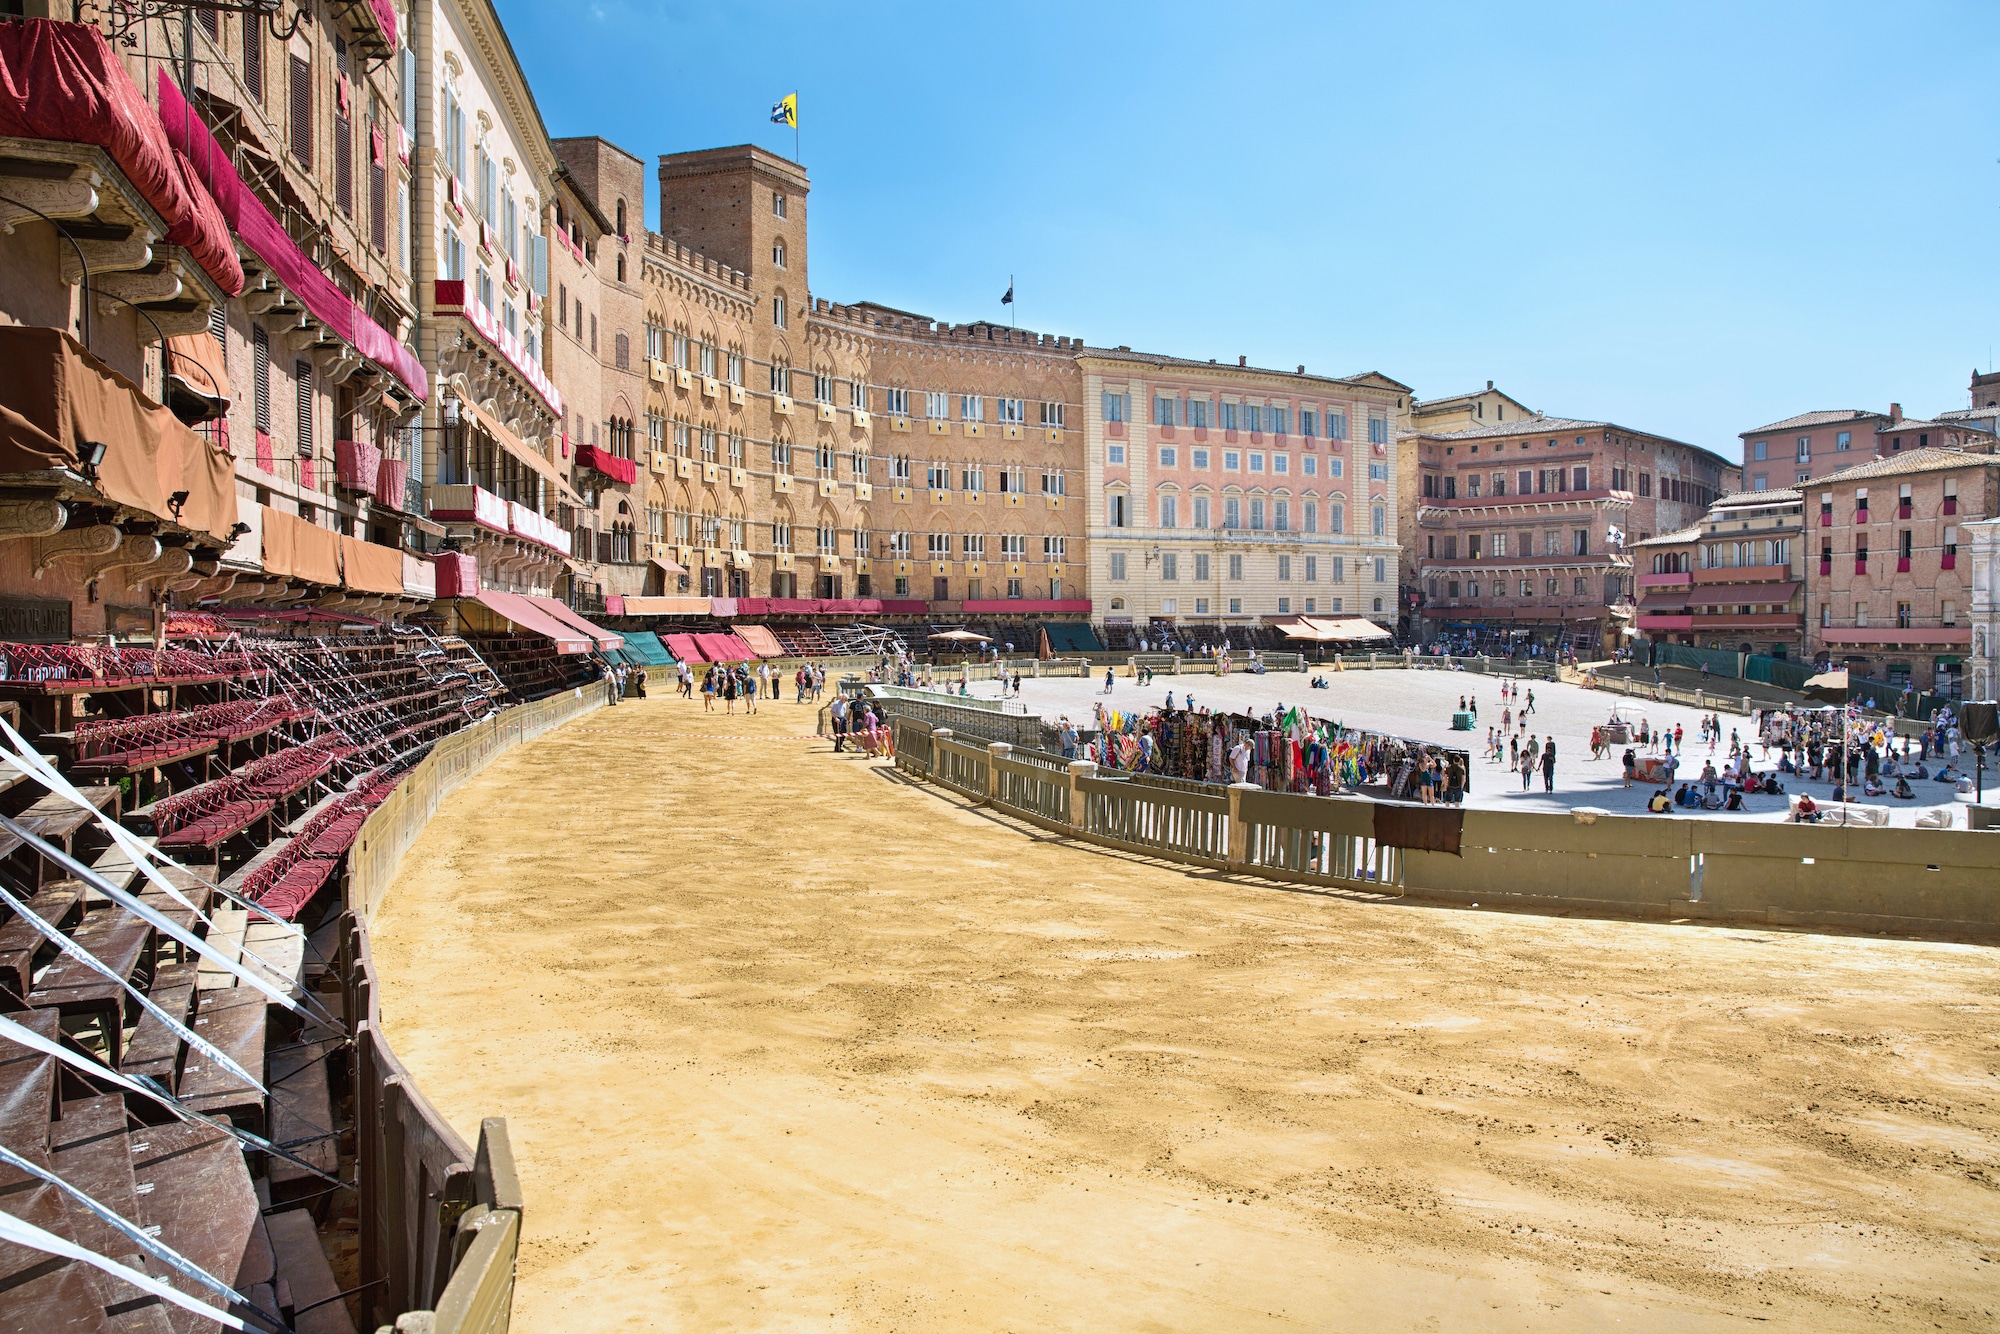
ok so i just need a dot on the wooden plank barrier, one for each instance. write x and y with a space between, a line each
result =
1909 881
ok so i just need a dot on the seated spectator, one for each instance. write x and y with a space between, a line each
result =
1903 789
1923 770
1660 803
1872 786
1839 792
1686 796
1807 812
1734 802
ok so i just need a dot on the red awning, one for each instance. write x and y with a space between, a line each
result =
62 81
527 616
1730 595
1938 636
683 647
723 648
1664 602
604 639
761 641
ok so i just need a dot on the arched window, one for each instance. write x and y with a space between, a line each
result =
621 232
621 268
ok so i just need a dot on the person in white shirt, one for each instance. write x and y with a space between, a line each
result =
1239 760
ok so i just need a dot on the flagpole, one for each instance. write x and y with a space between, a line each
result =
1011 312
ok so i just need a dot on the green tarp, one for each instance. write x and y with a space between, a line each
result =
644 647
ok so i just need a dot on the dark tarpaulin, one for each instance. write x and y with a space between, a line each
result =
1423 828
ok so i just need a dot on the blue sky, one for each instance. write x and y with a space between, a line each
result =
1690 219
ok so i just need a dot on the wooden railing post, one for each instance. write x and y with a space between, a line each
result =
1079 800
937 734
1239 832
996 751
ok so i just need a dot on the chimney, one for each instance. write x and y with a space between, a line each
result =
1489 384
1243 361
1895 412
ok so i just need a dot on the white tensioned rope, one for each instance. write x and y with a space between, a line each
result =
83 956
146 1086
23 1233
143 855
152 1246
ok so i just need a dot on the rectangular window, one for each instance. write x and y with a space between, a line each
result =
1312 569
1167 456
1116 406
1170 566
936 406
1232 512
1256 513
1843 441
975 546
1279 421
972 479
1201 512
1198 459
1253 417
897 402
1201 569
1236 569
1197 413
1117 511
1339 570
1170 512
1114 453
1229 416
1256 463
1579 479
1378 472
1336 425
1760 451
253 65
1281 515
1201 606
1163 411
1055 414
1012 411
1117 567
971 408
1281 463
1311 465
1309 517
1378 430
1055 548
1284 569
1232 461
1308 422
1053 483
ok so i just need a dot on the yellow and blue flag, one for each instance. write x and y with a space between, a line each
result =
786 111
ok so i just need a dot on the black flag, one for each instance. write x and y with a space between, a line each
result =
1008 299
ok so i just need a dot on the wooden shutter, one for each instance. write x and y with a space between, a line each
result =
343 164
253 61
304 372
260 342
302 129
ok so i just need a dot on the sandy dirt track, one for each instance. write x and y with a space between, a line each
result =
787 1042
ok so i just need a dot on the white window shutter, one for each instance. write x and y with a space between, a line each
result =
540 263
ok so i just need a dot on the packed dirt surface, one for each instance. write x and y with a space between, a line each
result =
787 1041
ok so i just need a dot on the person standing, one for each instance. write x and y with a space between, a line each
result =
1631 765
1528 767
1108 678
1068 739
1549 765
1239 759
708 688
839 723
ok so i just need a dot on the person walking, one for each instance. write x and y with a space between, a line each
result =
1108 679
839 712
1527 768
1531 703
687 682
708 687
1549 765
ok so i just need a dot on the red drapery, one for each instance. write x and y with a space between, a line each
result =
62 81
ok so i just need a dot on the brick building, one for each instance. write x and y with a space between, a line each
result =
1889 586
1223 495
1523 526
1799 449
1436 416
1734 581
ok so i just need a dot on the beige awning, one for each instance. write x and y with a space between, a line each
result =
521 450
